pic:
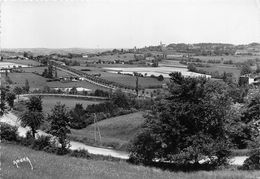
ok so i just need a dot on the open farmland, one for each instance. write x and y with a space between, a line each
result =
49 102
115 132
123 79
52 166
39 82
24 62
121 57
235 58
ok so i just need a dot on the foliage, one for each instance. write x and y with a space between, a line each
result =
34 103
3 91
253 162
33 119
120 99
26 87
245 69
160 78
247 127
59 120
41 142
81 153
188 126
8 132
10 97
77 120
17 90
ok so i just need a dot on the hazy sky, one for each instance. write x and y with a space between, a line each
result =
127 23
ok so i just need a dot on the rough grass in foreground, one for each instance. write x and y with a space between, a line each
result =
115 132
53 166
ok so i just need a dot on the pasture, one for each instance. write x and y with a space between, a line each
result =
234 58
24 62
115 132
144 82
39 82
53 166
48 102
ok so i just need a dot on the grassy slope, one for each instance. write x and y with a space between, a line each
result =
117 131
52 166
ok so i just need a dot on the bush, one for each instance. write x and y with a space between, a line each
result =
41 142
8 132
81 153
253 162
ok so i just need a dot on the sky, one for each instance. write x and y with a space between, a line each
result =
127 23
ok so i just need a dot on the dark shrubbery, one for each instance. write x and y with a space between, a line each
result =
41 142
8 132
81 153
253 162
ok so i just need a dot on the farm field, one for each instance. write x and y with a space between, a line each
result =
52 166
48 102
165 71
115 132
24 62
124 79
39 82
234 58
222 69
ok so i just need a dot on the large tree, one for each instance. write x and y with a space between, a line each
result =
188 126
33 119
33 116
59 120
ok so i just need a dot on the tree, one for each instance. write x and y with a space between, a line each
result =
33 119
77 120
191 67
17 90
73 90
10 97
33 116
120 99
34 103
187 126
59 120
3 92
160 78
245 69
26 86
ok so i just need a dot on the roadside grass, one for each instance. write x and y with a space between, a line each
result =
115 132
52 166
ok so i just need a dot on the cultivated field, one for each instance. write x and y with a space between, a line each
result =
65 167
235 58
49 102
37 81
24 62
123 79
115 132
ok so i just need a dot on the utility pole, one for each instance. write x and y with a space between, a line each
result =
96 129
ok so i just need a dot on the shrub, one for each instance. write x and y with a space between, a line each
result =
41 142
81 153
253 162
8 132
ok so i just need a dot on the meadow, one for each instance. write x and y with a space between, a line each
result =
52 166
48 102
23 62
234 58
115 132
